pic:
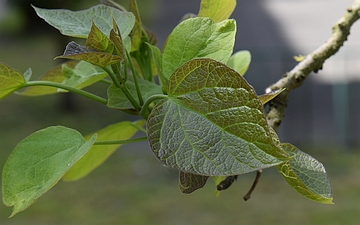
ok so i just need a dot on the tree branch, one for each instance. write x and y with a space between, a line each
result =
312 62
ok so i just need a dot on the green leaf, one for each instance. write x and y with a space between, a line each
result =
306 175
84 74
99 153
10 80
240 61
38 162
118 100
265 98
212 123
99 41
198 38
54 75
217 10
78 23
157 57
118 43
189 182
136 33
78 52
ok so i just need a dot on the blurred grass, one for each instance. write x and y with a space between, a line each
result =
133 188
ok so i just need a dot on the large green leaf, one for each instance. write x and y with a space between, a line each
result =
306 175
212 123
99 153
217 10
79 23
118 100
82 75
240 61
198 38
10 80
38 162
54 75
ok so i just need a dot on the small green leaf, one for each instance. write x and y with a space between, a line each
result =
84 74
265 98
157 57
99 41
27 74
212 123
78 52
118 100
217 10
78 23
136 33
118 43
240 61
99 153
306 175
189 182
198 38
10 80
38 162
54 75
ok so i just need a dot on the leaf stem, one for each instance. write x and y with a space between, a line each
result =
139 127
137 87
112 76
123 87
119 142
258 175
68 88
145 109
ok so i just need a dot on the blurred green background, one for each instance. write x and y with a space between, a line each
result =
132 187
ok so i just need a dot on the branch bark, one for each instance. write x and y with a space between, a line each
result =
312 62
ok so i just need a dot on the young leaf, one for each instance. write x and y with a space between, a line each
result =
212 123
27 74
265 98
189 182
118 43
78 52
38 162
99 153
10 80
54 75
306 175
99 41
136 33
118 100
78 24
157 57
240 61
217 10
82 75
198 38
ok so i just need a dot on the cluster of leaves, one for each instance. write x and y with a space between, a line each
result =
202 117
